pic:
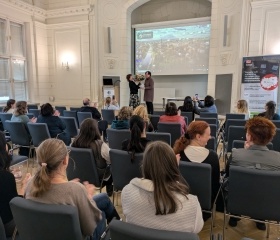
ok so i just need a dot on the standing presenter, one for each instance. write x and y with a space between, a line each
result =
149 92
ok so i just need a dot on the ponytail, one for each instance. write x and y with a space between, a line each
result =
41 182
134 143
181 143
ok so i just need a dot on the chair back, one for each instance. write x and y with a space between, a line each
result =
2 230
235 133
235 116
276 123
36 220
212 144
209 115
75 109
60 109
32 106
159 136
160 113
173 128
18 133
198 176
39 132
189 115
30 115
82 116
116 137
123 169
108 115
1 109
71 126
213 128
154 120
254 193
16 159
233 122
4 117
240 144
276 140
83 166
35 112
120 230
70 114
208 120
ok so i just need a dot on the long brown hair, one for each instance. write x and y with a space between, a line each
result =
161 167
196 127
21 108
50 154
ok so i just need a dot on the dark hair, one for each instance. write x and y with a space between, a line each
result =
171 109
128 77
149 73
270 110
208 101
21 108
261 130
188 105
5 158
196 127
136 126
161 167
10 102
47 109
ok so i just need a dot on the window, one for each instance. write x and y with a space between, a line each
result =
13 82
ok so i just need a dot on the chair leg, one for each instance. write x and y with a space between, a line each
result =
268 230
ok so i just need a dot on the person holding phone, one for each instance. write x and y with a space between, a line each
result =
207 106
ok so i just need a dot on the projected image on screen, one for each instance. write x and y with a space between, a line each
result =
173 50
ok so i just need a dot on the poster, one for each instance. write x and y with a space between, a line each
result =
260 80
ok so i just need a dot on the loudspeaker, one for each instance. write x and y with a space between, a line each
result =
225 30
109 40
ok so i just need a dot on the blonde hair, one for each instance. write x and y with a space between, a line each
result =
142 112
125 113
50 154
108 100
242 106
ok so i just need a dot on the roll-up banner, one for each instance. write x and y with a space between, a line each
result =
260 79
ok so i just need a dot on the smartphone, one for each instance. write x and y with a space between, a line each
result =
196 96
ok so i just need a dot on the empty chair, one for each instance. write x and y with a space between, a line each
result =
35 112
276 123
209 115
213 128
233 122
39 132
120 230
16 159
212 144
108 115
208 120
45 221
189 115
240 144
32 106
116 137
235 133
75 109
60 109
234 116
159 113
159 136
71 126
30 115
276 141
82 116
173 128
4 117
70 114
1 109
154 121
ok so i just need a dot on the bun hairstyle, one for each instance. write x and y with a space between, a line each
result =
50 154
10 102
171 109
21 108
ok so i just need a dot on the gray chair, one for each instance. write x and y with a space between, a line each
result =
208 120
189 115
199 178
36 220
108 115
276 141
116 137
240 144
213 128
75 109
82 116
4 117
120 230
123 168
212 144
30 115
173 128
233 122
160 113
159 136
71 126
60 109
209 115
32 106
154 121
39 132
83 166
235 133
16 159
235 116
35 112
70 114
276 123
253 193
1 109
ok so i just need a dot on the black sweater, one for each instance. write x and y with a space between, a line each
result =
133 87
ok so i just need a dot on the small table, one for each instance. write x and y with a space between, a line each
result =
168 99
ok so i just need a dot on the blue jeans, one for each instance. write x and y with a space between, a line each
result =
104 203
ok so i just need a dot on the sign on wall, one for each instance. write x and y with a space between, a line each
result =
260 80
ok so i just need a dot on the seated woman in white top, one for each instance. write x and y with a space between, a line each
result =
242 108
161 199
10 107
109 105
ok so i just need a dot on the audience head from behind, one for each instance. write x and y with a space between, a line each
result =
171 109
209 101
188 104
270 109
86 102
142 112
125 113
21 108
10 106
198 134
89 132
47 110
5 158
108 101
242 106
259 131
160 165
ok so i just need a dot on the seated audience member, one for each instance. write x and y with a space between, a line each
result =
89 137
55 125
259 132
269 113
138 140
123 119
191 148
115 102
161 199
8 189
207 106
141 111
10 107
187 106
109 105
172 115
242 108
51 186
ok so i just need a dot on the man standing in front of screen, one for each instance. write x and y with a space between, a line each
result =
149 92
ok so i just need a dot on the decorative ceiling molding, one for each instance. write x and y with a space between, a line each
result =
266 3
71 11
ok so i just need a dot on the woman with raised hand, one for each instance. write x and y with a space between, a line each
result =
51 186
161 199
